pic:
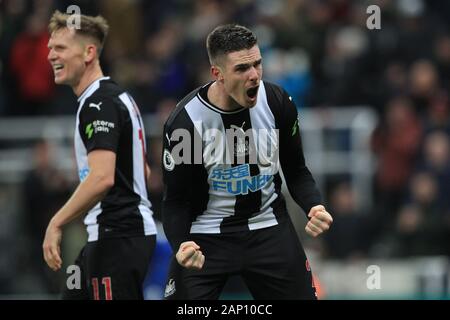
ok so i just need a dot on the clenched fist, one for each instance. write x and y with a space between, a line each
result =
190 256
319 221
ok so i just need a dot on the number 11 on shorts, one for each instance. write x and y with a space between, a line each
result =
106 281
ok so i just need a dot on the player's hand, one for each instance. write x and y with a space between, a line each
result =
190 256
319 221
51 247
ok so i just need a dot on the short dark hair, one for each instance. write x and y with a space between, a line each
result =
228 38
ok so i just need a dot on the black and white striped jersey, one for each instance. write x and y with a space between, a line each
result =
108 118
221 168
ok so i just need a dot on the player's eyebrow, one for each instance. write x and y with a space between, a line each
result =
244 66
56 46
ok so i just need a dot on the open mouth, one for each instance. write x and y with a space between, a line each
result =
252 92
58 67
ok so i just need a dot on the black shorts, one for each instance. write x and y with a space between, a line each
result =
271 262
113 268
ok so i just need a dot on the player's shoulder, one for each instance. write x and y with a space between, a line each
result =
177 118
274 91
110 88
107 95
278 99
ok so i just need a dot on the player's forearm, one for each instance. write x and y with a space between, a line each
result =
299 180
305 196
86 196
176 222
303 189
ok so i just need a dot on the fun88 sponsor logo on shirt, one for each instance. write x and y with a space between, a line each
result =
237 180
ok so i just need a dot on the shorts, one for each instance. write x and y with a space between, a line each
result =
271 261
112 269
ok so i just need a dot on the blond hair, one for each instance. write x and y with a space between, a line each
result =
92 27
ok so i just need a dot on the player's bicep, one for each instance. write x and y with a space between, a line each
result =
291 150
290 117
102 163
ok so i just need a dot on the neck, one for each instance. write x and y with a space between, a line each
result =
92 73
218 97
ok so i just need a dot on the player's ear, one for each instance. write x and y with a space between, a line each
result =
216 72
90 52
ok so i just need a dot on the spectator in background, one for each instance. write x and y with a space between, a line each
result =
396 142
45 190
419 227
435 162
438 113
394 82
11 20
125 23
424 84
28 64
422 223
423 192
348 237
442 58
436 154
408 236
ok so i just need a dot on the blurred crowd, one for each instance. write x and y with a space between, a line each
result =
320 51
